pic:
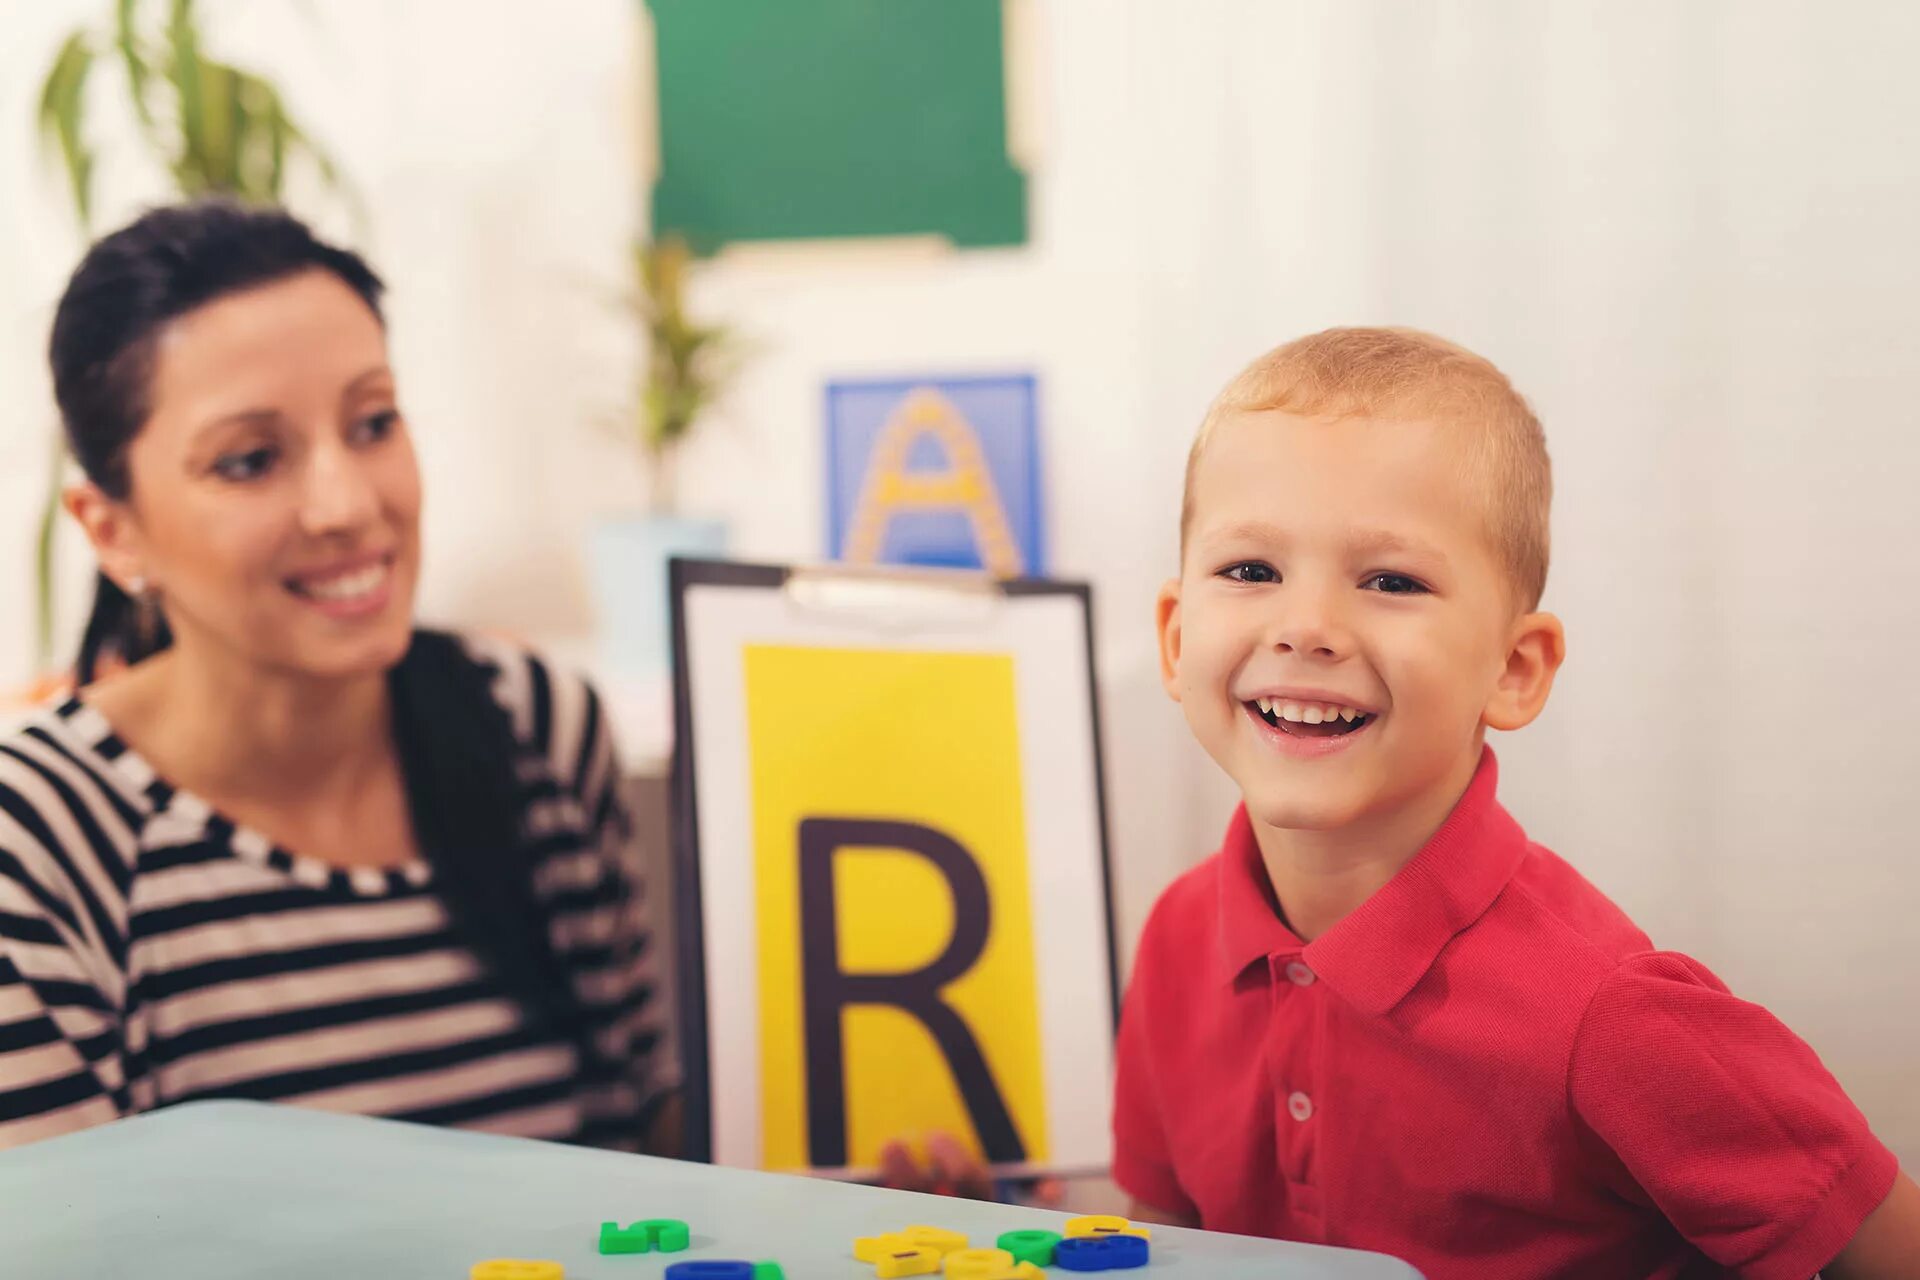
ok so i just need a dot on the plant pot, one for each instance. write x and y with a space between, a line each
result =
627 559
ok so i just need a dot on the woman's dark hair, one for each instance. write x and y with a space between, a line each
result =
456 746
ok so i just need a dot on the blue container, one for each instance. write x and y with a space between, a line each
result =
628 563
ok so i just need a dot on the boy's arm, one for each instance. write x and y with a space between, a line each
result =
1138 1211
1734 1129
1887 1246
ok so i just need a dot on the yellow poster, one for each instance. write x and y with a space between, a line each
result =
893 915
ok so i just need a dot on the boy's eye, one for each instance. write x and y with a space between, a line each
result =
1251 571
244 465
1394 584
376 427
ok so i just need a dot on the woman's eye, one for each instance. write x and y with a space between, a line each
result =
376 427
1251 571
246 465
1394 584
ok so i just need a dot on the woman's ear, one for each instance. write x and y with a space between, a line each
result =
110 527
1167 621
1535 649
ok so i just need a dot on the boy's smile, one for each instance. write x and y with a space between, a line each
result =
1308 722
1344 630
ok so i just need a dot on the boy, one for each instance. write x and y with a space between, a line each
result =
1379 1017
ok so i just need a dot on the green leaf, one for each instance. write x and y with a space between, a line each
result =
252 134
687 362
43 546
219 133
62 119
267 138
126 36
184 71
279 131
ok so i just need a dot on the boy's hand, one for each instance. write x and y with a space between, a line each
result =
950 1169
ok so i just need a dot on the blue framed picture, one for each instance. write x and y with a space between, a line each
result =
936 471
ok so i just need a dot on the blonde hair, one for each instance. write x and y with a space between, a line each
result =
1404 373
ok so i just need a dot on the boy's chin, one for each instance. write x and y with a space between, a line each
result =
1290 809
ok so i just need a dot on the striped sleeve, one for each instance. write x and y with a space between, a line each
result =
618 979
597 897
63 1065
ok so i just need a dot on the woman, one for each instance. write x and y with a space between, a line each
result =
295 850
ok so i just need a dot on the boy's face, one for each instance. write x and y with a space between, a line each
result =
1342 631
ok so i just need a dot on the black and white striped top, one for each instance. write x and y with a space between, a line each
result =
151 952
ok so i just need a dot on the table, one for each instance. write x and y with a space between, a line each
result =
240 1190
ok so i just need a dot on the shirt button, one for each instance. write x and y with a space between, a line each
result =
1300 974
1300 1106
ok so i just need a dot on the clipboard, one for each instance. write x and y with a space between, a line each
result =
892 873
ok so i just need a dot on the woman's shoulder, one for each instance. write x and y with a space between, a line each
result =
60 745
556 713
64 806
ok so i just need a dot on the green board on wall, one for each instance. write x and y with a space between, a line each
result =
796 119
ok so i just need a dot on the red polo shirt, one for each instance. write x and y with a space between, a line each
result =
1485 1070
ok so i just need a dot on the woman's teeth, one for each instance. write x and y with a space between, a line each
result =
347 586
1307 712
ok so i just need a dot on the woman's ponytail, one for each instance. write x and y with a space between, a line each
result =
121 630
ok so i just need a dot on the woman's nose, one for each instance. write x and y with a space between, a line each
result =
338 496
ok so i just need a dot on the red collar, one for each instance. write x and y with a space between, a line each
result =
1375 956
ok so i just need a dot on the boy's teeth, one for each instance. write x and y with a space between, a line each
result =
1307 712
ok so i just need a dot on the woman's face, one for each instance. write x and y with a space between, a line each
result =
275 504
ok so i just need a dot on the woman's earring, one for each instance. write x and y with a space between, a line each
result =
137 585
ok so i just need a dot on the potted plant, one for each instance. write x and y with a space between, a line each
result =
216 128
686 369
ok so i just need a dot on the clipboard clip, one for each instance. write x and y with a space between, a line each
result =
893 597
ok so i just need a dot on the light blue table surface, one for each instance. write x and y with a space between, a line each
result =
242 1191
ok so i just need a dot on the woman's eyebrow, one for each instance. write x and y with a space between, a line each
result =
241 418
375 374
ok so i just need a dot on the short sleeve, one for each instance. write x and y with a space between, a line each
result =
1726 1119
1142 1158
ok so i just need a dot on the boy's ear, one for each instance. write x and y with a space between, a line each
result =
1166 612
1535 650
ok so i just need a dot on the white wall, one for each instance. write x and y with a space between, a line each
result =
1685 230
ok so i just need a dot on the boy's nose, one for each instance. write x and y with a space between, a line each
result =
1309 625
1310 645
1314 647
